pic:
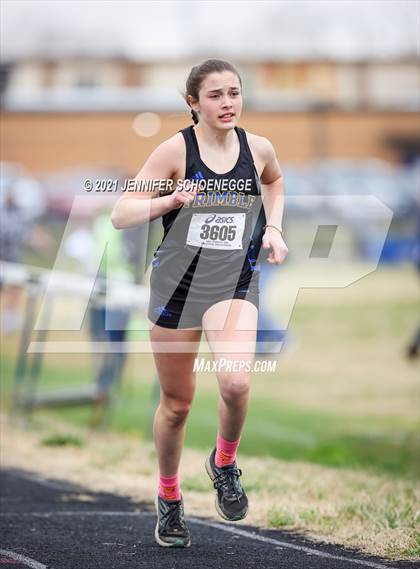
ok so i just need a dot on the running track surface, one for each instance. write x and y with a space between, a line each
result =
52 524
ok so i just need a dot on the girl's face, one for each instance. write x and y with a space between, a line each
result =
219 100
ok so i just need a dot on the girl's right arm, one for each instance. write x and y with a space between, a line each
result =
138 207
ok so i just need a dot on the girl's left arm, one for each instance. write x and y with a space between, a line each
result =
273 201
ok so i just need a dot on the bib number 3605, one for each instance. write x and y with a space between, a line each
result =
218 232
213 231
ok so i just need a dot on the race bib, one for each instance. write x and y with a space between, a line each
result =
214 231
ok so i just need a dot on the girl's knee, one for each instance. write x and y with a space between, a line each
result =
234 387
176 410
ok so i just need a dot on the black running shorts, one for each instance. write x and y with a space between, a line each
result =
181 314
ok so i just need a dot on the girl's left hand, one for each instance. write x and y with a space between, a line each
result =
273 240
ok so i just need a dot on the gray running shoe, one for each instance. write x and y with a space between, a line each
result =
171 530
231 500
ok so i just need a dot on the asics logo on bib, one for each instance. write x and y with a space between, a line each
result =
218 219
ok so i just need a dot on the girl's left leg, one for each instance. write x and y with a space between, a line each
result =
230 328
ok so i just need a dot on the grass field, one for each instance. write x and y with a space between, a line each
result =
344 397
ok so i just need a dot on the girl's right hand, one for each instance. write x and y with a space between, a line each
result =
184 196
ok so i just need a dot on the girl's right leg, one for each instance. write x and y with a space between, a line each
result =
177 386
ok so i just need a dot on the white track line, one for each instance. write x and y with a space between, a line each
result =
287 545
22 559
215 525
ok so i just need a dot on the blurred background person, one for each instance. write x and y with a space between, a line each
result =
21 232
413 348
123 255
269 326
108 323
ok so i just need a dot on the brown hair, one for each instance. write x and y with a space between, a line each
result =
199 72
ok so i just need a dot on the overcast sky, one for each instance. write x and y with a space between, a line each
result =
250 29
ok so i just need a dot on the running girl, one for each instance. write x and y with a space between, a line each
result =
205 278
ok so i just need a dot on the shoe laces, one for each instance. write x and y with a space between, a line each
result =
228 481
173 517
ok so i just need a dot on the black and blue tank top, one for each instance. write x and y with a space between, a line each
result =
209 247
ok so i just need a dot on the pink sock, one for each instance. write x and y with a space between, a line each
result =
169 487
225 451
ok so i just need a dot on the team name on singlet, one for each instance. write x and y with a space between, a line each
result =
223 199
